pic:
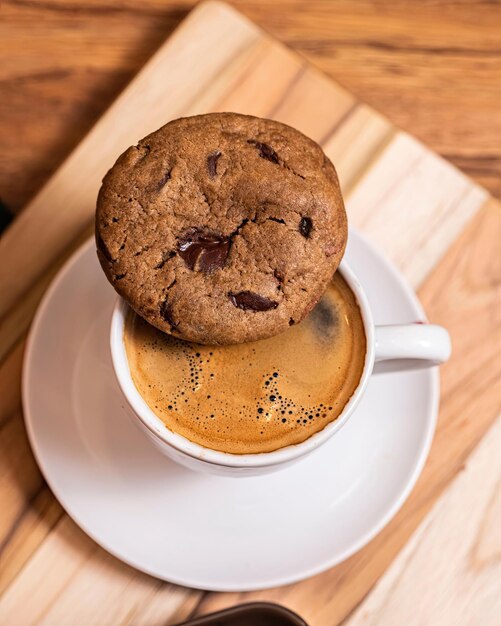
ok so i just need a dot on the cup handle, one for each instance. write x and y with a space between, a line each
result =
410 346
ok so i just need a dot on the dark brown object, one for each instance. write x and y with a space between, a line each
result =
212 160
6 216
166 313
164 180
208 211
249 301
265 151
305 226
103 249
204 251
251 614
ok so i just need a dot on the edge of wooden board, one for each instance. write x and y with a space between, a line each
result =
34 241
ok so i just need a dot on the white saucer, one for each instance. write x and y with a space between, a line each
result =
205 531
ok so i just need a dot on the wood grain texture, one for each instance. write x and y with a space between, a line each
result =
68 591
250 73
453 295
433 67
455 554
441 229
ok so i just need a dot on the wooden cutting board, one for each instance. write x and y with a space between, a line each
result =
441 229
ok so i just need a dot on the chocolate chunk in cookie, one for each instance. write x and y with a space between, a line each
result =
203 250
250 301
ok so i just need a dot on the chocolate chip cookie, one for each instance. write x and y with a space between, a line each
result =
221 228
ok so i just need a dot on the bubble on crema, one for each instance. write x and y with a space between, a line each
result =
252 397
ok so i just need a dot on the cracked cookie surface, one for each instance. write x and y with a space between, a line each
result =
221 228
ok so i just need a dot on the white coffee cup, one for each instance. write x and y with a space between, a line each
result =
395 347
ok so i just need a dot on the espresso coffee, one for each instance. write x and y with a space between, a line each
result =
259 396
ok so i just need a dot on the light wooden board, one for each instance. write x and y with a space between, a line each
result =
449 573
433 67
434 223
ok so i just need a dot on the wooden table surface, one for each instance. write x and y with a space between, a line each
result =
434 69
